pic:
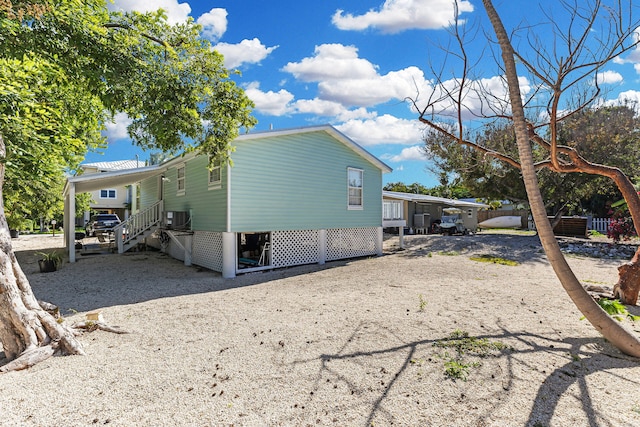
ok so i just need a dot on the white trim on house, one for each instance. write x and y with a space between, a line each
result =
355 188
181 181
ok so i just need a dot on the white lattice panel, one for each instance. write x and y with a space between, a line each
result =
294 247
351 243
207 250
174 250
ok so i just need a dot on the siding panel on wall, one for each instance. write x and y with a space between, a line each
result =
297 182
207 207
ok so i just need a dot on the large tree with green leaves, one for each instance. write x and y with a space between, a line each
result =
487 177
563 67
67 66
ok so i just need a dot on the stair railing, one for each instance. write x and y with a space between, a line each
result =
137 224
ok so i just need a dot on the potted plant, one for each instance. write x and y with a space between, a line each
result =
49 261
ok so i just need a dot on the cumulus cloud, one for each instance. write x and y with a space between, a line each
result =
118 128
330 62
415 153
385 129
214 23
609 77
245 52
344 77
634 56
334 110
269 103
176 12
399 15
629 97
482 97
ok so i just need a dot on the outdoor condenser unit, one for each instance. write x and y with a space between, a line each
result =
176 220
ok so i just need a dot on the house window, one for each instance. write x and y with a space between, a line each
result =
180 180
354 183
108 194
392 210
215 175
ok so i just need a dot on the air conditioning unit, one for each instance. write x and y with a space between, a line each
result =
177 220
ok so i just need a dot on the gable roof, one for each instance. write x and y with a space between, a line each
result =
348 142
118 174
424 198
335 133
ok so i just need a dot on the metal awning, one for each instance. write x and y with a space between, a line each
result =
96 181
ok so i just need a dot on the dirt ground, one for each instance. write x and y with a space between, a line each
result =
359 342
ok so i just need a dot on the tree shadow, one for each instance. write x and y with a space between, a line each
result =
520 248
105 280
584 362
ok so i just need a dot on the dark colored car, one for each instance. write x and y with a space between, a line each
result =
101 223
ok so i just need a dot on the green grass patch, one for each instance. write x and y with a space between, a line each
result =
457 367
494 260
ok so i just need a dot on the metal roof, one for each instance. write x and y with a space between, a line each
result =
424 198
114 165
118 178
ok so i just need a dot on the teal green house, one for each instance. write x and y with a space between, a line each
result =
290 197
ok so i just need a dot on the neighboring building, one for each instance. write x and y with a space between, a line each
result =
292 197
419 211
112 200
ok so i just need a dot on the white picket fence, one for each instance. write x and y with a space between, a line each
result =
599 224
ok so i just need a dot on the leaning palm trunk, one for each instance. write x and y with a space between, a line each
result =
28 333
612 330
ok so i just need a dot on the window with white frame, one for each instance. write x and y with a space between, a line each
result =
180 180
215 175
354 183
108 193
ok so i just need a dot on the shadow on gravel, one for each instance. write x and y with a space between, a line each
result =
584 357
520 248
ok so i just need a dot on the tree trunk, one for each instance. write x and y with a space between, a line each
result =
612 330
25 327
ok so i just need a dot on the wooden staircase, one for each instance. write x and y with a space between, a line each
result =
138 227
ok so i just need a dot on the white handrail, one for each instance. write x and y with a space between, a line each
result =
137 224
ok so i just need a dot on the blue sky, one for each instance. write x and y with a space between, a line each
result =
347 63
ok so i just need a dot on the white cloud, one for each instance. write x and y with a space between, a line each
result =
176 12
399 15
415 153
631 97
331 62
335 110
483 97
247 51
634 55
118 128
214 23
270 103
352 81
384 129
609 77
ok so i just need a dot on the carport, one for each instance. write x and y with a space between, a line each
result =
92 182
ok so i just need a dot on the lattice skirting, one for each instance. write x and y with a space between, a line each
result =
288 248
207 250
174 251
351 243
294 247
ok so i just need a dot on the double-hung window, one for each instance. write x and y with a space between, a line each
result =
180 180
108 194
354 184
215 175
